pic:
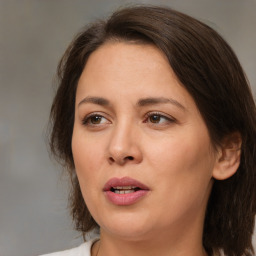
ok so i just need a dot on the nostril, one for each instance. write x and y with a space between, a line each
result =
120 160
111 159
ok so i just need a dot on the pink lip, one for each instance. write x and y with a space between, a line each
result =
124 199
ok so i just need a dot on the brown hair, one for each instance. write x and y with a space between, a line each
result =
210 71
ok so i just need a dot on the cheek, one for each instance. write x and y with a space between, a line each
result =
86 148
87 165
181 150
184 166
87 156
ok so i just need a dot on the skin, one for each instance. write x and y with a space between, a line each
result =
165 145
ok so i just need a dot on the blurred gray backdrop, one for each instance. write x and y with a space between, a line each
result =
33 35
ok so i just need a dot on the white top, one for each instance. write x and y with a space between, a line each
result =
82 250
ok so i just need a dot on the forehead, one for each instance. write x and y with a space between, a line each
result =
125 57
126 63
128 71
124 75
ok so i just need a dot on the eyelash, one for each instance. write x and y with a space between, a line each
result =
151 114
87 119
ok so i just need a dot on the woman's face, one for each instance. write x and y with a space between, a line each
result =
142 151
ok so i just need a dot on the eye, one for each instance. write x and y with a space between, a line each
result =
94 120
157 118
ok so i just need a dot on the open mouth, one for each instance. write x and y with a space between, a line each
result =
124 189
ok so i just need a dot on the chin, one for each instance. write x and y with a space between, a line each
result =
126 226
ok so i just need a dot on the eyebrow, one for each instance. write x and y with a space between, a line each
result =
160 100
95 100
141 102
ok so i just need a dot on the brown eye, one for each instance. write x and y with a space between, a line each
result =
158 119
96 119
155 119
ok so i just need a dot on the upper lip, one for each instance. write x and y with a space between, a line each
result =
123 182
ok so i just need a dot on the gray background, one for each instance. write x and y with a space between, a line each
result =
34 34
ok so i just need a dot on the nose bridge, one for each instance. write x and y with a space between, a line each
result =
123 144
121 138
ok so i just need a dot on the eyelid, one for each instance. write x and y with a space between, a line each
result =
167 117
86 118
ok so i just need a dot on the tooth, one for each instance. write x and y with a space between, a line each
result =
124 187
127 187
129 191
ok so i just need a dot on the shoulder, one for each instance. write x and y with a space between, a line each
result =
82 250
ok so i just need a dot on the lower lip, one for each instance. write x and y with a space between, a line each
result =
125 199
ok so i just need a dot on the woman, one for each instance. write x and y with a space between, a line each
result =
155 121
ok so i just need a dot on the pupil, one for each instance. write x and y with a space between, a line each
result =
155 119
96 119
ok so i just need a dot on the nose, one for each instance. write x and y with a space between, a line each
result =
124 146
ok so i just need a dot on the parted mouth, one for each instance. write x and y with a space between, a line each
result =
124 185
124 189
